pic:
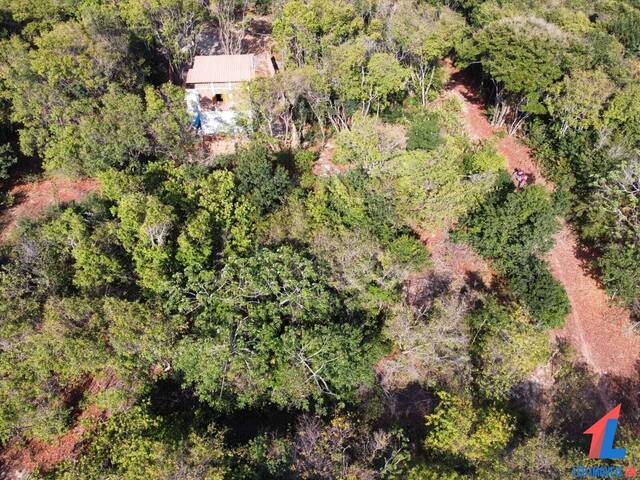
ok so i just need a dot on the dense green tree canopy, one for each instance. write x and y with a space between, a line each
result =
273 329
309 305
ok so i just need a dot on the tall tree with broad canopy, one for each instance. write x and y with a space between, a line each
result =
170 26
423 34
269 327
305 29
524 57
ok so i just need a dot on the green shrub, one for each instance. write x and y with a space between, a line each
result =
512 225
620 267
532 284
260 179
507 348
484 159
514 229
424 132
303 161
409 251
434 472
430 190
7 160
626 27
460 429
369 142
449 113
6 199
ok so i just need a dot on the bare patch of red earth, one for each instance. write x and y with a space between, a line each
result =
599 332
19 459
33 199
325 166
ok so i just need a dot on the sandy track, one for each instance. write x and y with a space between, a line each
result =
599 332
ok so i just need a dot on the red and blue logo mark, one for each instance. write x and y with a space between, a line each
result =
603 436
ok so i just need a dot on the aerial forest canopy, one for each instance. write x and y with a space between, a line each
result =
356 289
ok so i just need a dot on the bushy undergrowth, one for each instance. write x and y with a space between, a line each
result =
514 229
424 132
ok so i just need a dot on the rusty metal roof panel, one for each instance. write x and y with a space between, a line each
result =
222 68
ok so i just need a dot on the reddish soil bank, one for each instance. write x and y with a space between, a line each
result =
33 199
457 260
18 461
324 166
599 332
20 458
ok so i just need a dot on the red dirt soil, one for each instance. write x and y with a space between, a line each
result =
18 459
600 333
33 199
324 166
456 259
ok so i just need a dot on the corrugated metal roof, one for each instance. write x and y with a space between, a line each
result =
221 68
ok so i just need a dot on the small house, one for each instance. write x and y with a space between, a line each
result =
215 97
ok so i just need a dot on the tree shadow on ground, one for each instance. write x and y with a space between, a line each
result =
421 292
407 407
471 79
579 397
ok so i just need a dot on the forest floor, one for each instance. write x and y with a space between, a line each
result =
19 459
600 333
459 261
32 199
257 40
324 165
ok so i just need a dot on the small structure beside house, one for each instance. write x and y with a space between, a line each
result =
216 99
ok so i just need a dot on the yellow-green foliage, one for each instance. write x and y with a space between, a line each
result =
369 142
579 99
510 351
333 203
485 159
94 267
535 457
135 446
449 111
624 111
458 428
430 189
433 472
629 439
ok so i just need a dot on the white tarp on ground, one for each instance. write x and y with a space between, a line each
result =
218 122
212 122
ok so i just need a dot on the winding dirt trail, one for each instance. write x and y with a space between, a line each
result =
600 333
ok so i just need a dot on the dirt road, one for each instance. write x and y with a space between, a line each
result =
599 332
